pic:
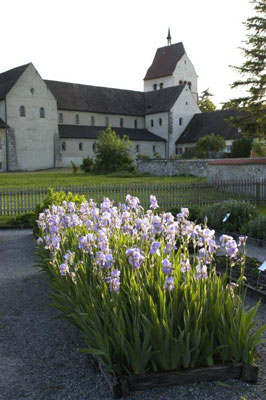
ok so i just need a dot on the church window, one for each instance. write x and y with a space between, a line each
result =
137 148
63 146
92 120
185 82
0 165
228 148
189 85
160 121
106 121
186 103
180 121
22 111
152 123
135 123
0 142
155 86
77 119
161 85
32 91
180 82
60 118
94 147
42 113
154 148
121 122
80 146
185 61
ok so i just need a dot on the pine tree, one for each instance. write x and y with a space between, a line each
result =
253 75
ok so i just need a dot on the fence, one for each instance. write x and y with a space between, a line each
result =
169 195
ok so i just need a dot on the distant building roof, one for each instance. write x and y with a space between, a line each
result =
9 78
165 61
208 123
92 132
76 97
3 124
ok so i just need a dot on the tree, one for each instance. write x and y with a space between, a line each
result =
210 144
205 104
113 153
253 75
241 147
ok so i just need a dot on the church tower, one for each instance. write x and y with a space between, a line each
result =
171 67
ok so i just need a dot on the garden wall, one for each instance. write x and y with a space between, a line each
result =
236 169
168 167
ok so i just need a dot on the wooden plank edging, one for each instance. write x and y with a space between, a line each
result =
125 385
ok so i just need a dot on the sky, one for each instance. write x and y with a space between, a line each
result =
112 43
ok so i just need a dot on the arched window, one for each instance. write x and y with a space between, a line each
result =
63 146
152 123
180 121
154 148
185 82
137 148
135 123
92 120
189 85
160 121
0 142
77 119
60 118
80 146
106 121
161 85
42 113
180 82
121 122
22 111
94 147
155 87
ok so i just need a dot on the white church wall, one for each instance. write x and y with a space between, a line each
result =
101 119
157 129
2 150
185 72
167 81
34 135
3 110
72 152
184 108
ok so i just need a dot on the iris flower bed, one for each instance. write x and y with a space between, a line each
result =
143 288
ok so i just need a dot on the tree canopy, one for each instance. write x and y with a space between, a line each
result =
210 144
205 104
113 153
253 75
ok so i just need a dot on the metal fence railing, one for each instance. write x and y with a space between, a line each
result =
169 195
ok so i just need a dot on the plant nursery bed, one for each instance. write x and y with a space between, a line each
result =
123 386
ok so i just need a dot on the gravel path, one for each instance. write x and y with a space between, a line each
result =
38 357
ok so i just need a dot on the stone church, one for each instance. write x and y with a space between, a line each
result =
46 124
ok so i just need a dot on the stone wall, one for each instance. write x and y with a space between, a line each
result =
173 167
236 169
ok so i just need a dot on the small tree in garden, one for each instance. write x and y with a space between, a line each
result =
210 144
113 153
87 165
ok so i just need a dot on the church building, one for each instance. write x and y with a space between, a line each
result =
47 124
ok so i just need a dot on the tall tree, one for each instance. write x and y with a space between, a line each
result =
205 104
210 144
253 75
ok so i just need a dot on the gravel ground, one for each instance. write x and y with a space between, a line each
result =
38 354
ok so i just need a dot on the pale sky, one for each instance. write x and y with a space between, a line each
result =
112 42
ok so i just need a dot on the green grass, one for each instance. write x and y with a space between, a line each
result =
65 177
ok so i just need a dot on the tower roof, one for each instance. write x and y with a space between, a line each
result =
165 61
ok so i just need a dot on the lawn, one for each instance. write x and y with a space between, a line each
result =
65 177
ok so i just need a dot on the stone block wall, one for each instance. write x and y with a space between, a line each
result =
236 169
170 167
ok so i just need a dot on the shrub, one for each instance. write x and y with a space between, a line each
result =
87 165
75 168
144 157
240 213
241 147
256 228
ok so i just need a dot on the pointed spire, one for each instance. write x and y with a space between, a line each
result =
169 39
